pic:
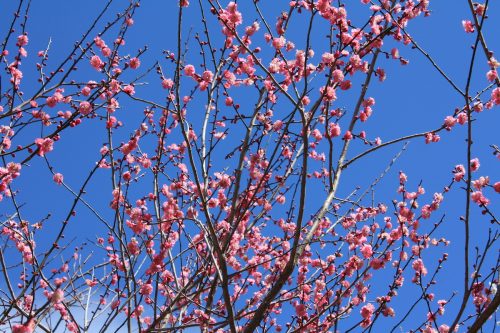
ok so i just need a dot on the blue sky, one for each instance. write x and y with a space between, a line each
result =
413 99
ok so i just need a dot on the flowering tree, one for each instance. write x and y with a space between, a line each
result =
239 185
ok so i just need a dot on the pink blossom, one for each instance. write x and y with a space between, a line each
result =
189 70
224 180
72 326
459 172
51 101
449 122
129 90
432 137
328 59
395 53
91 283
167 83
104 150
280 199
134 63
369 102
481 182
468 26
44 145
367 251
444 328
133 247
86 91
474 164
96 62
328 93
479 11
203 85
230 18
207 76
57 296
127 148
381 74
29 327
249 31
54 99
377 263
99 42
106 51
126 176
333 130
146 289
183 167
17 75
22 40
356 61
418 266
278 124
491 75
317 134
287 152
115 304
58 178
279 42
367 312
120 41
346 85
338 76
428 138
462 118
479 198
495 95
85 108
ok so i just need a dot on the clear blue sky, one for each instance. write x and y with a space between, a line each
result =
413 99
